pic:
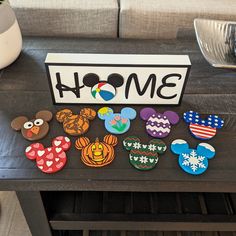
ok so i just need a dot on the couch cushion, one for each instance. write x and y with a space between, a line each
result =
164 19
85 18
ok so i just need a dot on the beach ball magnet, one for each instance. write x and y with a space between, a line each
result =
103 90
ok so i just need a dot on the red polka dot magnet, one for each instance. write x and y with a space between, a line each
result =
52 159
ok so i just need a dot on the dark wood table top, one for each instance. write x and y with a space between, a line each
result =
24 91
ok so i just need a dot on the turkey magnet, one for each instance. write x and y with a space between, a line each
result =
52 159
34 129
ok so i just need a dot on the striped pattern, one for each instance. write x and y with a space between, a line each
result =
202 131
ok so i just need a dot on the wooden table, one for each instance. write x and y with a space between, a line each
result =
24 91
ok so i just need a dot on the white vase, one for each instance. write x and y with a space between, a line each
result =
10 36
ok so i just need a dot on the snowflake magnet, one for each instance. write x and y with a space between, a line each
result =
200 128
143 156
193 161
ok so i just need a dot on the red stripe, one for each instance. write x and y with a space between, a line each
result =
203 135
203 127
202 131
101 84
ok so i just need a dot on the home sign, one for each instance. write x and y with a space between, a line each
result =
117 78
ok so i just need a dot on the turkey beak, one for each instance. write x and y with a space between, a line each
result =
35 130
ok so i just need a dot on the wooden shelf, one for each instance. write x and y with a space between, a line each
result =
140 211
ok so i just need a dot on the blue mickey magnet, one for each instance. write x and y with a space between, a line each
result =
117 123
193 161
200 128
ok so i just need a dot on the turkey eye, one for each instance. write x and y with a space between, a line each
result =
38 122
28 125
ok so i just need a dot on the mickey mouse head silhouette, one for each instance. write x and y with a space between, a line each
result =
117 123
200 128
103 90
97 153
143 156
52 159
193 161
34 129
158 125
75 124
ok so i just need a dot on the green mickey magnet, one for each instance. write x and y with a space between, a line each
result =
144 156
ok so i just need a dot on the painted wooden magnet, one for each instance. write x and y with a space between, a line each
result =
143 156
75 124
33 129
200 128
117 123
97 153
103 90
193 161
52 159
158 125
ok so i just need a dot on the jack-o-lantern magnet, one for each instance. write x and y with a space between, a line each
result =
97 153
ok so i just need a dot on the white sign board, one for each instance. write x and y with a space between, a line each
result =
117 78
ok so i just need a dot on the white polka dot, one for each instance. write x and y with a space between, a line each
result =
216 124
190 118
222 121
196 120
164 126
152 123
154 132
159 116
160 133
203 121
190 115
164 117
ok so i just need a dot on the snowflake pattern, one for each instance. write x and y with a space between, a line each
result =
193 160
136 145
152 147
143 159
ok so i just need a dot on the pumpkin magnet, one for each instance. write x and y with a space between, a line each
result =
117 123
75 124
97 153
34 129
52 159
143 156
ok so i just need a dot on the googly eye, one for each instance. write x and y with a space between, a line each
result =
28 125
38 122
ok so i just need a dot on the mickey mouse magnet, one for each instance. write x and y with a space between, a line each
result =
143 156
193 161
200 128
117 123
33 129
158 125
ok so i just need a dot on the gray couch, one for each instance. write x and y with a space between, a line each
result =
140 19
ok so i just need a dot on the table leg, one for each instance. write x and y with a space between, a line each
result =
33 209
